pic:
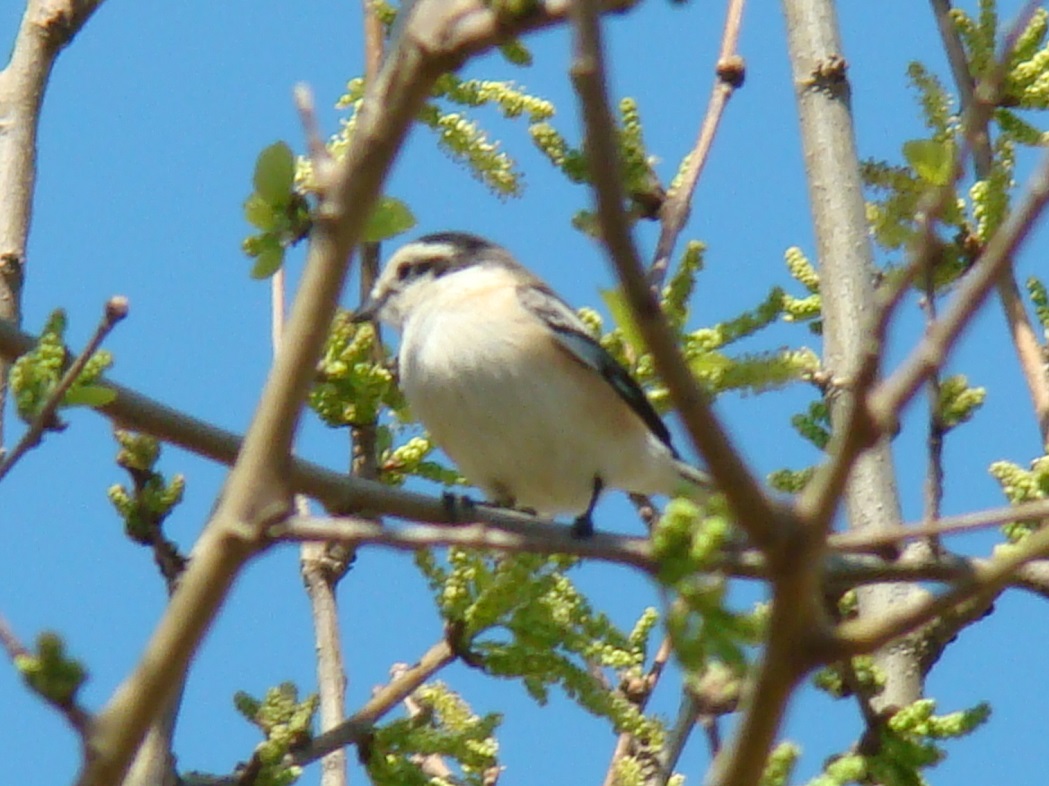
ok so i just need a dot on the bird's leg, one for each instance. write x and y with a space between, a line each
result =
458 506
583 526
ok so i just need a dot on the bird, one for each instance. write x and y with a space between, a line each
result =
507 380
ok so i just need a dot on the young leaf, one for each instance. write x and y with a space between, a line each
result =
391 218
268 262
624 320
932 160
89 396
260 213
275 173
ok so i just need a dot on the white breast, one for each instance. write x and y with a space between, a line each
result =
521 418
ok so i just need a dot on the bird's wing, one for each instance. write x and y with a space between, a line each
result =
571 336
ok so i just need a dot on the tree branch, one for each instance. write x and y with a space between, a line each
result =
47 27
887 399
258 490
115 310
1029 350
358 726
870 541
730 71
760 516
989 577
520 533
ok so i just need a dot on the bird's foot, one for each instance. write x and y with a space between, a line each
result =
459 507
583 527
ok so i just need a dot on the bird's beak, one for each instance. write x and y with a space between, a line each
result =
369 310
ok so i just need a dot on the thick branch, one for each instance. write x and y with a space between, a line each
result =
989 577
258 489
753 509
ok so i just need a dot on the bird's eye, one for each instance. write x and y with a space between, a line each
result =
416 269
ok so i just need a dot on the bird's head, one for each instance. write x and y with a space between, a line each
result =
411 274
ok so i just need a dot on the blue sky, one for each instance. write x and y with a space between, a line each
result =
151 125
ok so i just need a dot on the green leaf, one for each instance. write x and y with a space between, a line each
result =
932 160
90 396
390 218
275 174
260 213
268 262
624 320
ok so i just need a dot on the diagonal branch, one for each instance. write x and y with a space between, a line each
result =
1029 349
887 400
989 577
358 726
752 508
945 525
116 310
675 211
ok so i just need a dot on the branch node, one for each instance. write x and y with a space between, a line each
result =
732 70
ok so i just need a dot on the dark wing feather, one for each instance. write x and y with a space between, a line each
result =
570 334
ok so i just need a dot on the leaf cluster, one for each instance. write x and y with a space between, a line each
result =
1022 485
50 672
353 388
445 727
687 542
150 500
36 375
521 617
276 209
898 752
280 210
285 723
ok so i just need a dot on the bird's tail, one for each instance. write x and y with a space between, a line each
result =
695 484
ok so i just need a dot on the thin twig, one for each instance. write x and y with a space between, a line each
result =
989 577
872 541
77 717
358 726
936 427
10 642
674 213
677 737
639 694
116 309
320 158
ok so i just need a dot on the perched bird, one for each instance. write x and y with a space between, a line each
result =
511 386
